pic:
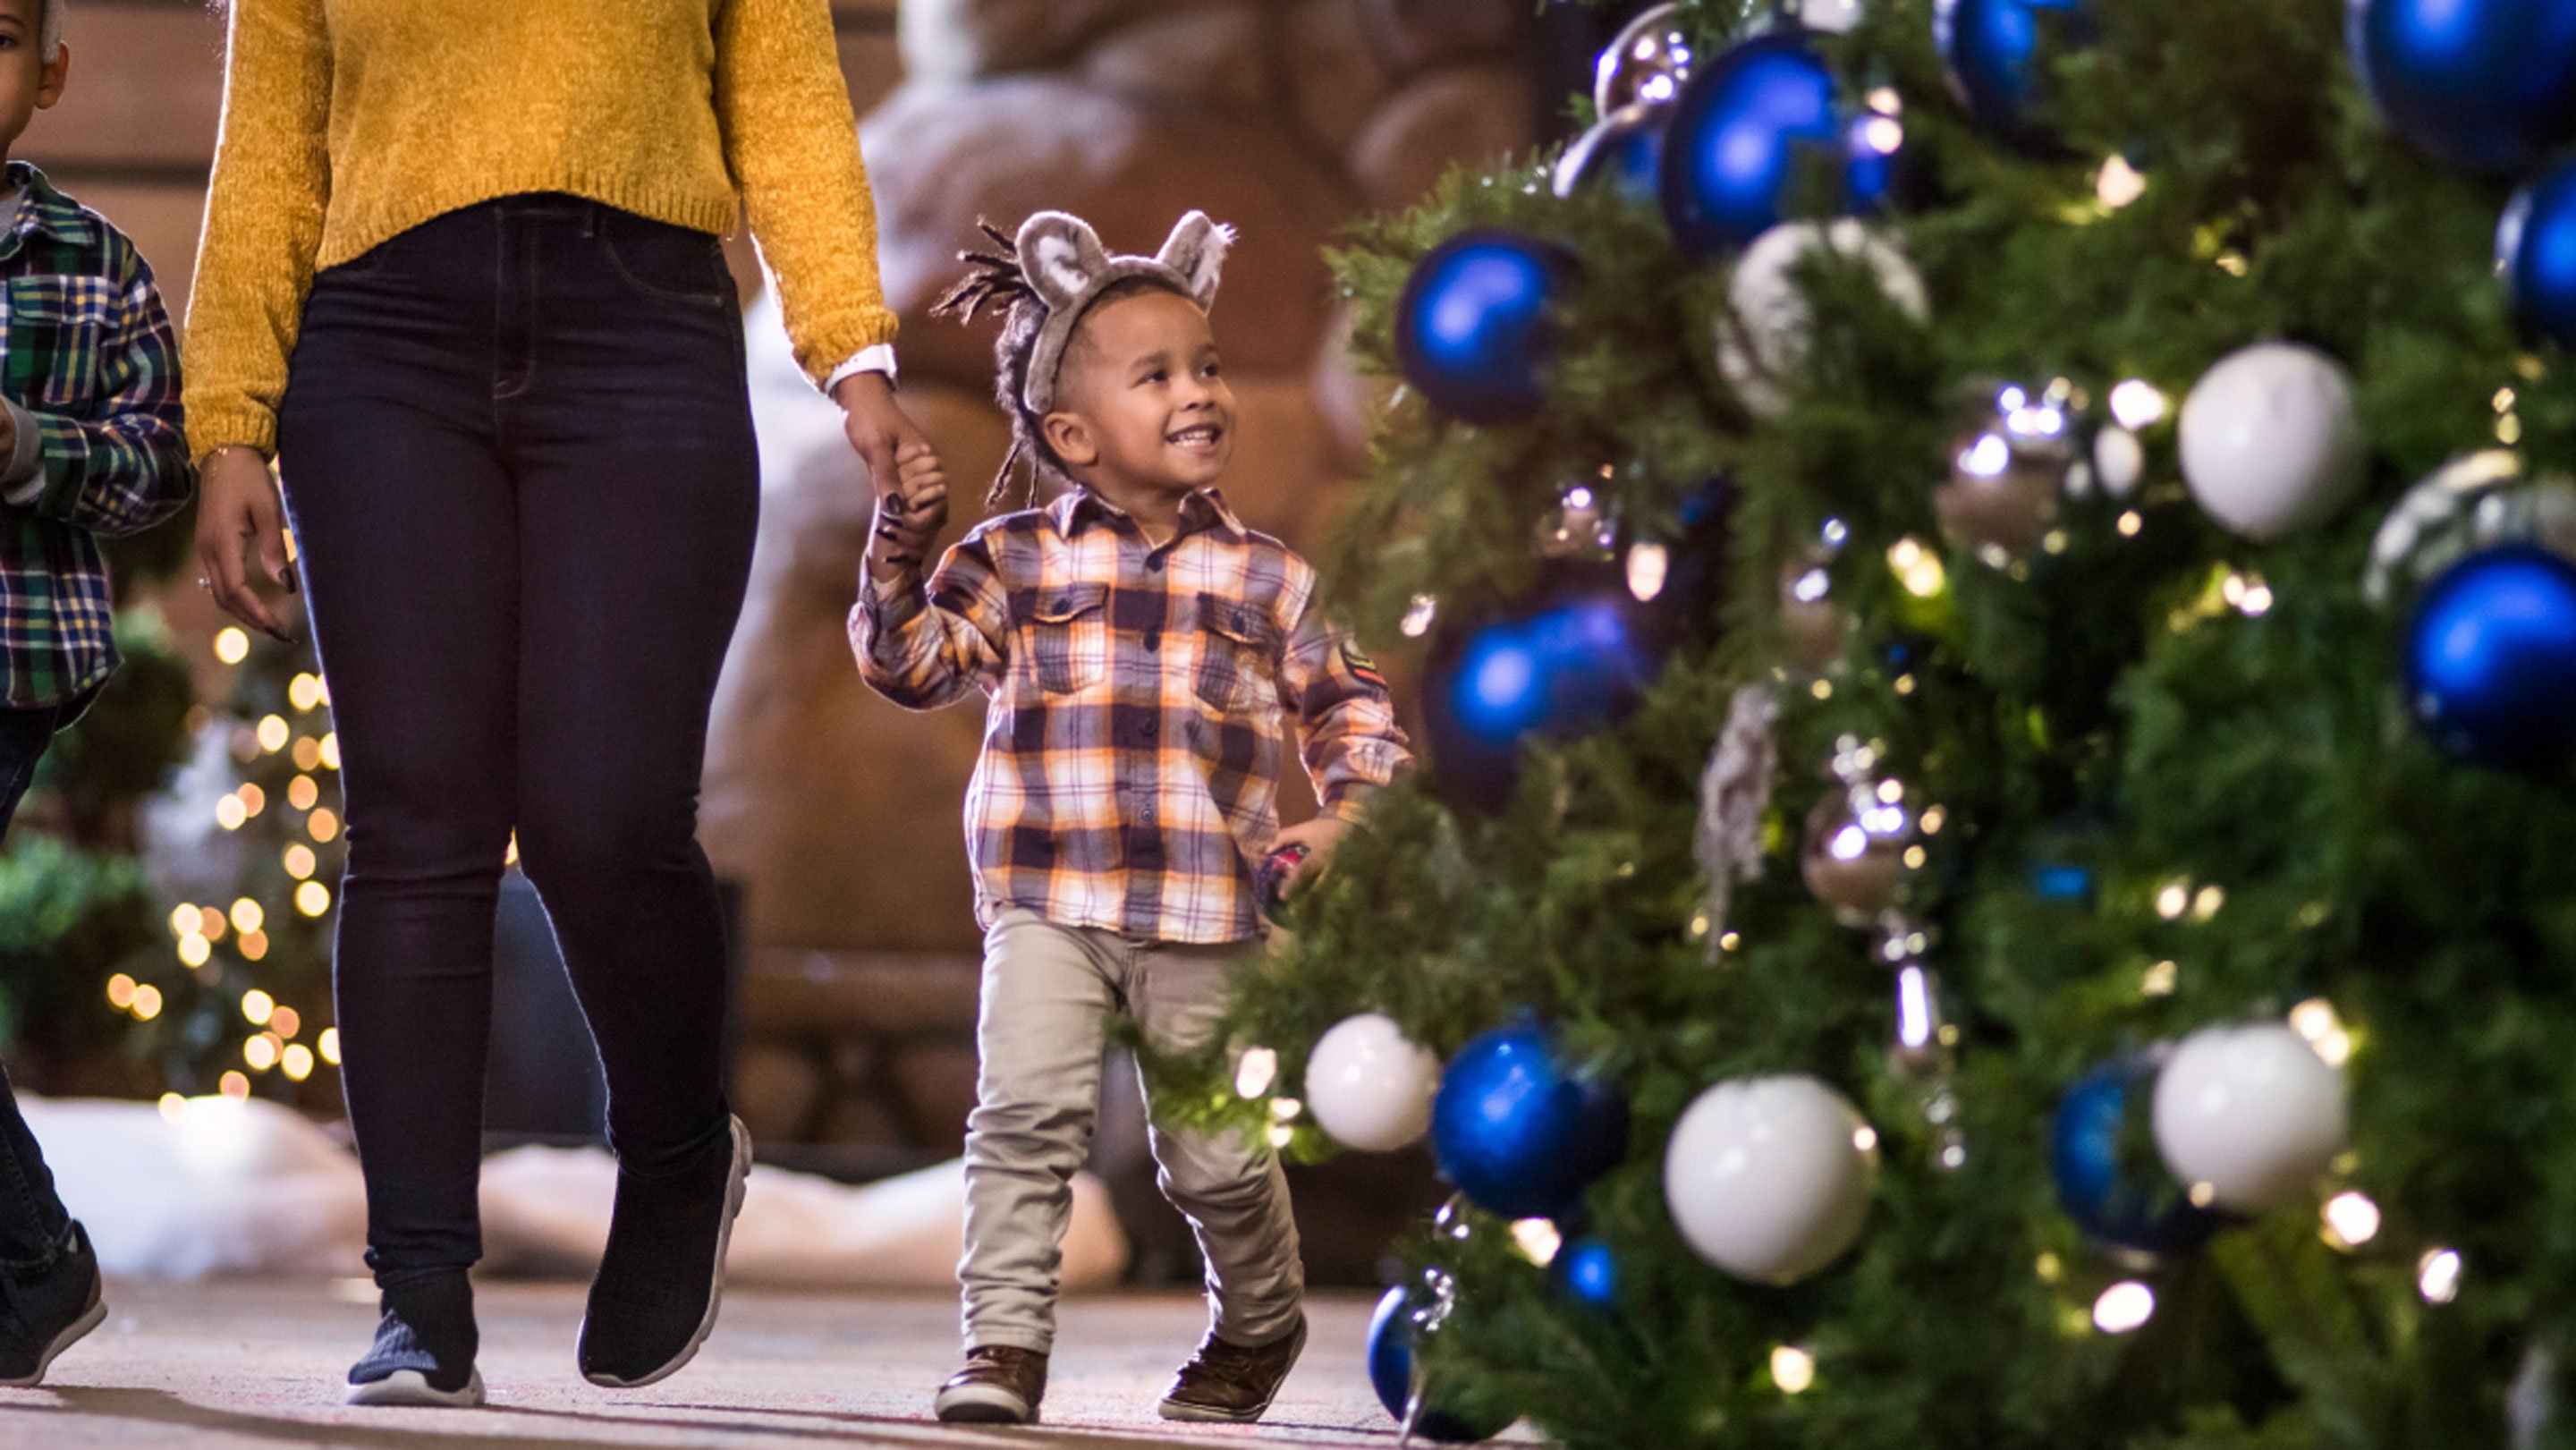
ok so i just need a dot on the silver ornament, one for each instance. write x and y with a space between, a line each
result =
1814 624
1579 527
1734 792
2473 502
1860 845
1451 1221
1622 150
2009 468
1646 63
1922 1045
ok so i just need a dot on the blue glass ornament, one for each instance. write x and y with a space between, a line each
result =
1996 51
2063 882
2491 659
1517 1133
1748 129
1571 656
1473 330
2084 1159
2536 255
1586 1271
1390 1371
1623 152
2062 858
2484 85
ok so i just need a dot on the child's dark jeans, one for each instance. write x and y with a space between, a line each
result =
33 1223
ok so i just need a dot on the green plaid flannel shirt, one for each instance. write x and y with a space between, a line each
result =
86 347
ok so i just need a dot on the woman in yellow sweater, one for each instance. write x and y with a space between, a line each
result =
461 278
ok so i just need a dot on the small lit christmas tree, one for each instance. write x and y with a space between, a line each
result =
242 1001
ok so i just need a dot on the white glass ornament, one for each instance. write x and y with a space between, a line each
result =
1838 16
1769 1178
2270 439
1835 16
1369 1085
2252 1112
1762 338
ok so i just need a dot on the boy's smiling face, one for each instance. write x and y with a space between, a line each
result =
28 81
1146 417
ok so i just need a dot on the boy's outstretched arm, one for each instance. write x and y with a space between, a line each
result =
1352 745
925 645
120 465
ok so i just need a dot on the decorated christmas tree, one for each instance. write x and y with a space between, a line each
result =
1991 581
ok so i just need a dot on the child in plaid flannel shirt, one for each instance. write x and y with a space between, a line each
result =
1143 652
90 447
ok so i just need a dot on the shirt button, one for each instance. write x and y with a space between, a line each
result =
1153 640
1148 729
1063 604
1154 562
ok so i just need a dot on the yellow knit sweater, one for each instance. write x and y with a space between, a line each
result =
347 122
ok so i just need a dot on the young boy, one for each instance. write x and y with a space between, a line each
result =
90 445
1144 652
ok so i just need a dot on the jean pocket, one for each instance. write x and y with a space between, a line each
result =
664 263
1068 637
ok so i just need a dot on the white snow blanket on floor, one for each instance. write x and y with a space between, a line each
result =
223 1187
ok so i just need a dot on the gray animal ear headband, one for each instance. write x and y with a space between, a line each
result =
1063 262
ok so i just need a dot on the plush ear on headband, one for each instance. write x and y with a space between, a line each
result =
1061 256
1195 251
1063 262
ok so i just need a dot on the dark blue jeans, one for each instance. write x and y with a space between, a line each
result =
33 1224
517 450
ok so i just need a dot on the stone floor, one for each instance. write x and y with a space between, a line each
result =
257 1365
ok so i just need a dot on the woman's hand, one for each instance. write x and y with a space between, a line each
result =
238 519
879 428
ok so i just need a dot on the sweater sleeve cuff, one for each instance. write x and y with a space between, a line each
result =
876 358
211 428
22 476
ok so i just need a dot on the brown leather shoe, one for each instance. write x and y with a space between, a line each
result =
1231 1384
1000 1385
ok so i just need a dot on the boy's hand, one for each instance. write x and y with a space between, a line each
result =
1318 836
909 515
238 516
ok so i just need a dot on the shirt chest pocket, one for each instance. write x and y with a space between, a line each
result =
1236 646
57 327
1068 637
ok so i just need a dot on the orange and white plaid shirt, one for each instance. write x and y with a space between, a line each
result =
1140 700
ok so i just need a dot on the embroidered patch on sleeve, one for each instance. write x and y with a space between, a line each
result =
1361 665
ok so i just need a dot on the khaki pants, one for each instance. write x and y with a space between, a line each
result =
1048 992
